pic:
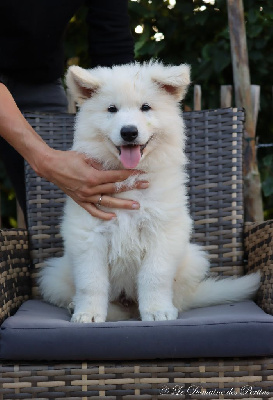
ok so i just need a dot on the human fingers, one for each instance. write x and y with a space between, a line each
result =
92 206
114 202
110 188
96 212
112 176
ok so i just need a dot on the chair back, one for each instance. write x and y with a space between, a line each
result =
214 148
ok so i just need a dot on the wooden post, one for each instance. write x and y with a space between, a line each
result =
241 76
71 103
226 96
197 97
255 100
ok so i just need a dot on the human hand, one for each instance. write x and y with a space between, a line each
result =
88 185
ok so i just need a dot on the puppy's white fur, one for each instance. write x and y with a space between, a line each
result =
145 254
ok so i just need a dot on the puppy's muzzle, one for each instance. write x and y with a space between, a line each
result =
129 133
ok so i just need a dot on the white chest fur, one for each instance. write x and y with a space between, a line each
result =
127 240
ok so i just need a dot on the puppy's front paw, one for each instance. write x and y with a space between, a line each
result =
159 315
85 318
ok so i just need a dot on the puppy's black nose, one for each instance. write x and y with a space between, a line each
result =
129 133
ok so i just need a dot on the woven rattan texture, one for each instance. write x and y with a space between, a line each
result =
215 187
14 271
188 379
259 256
214 149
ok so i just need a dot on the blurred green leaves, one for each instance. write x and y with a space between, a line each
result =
196 32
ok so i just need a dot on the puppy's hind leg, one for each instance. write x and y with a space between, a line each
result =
56 283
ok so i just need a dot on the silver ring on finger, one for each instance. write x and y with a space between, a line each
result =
99 201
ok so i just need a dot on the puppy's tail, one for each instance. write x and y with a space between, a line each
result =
55 281
213 291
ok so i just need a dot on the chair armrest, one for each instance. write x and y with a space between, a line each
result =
15 285
258 241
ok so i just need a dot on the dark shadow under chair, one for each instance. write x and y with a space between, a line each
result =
217 352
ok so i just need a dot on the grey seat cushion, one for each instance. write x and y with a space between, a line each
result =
39 331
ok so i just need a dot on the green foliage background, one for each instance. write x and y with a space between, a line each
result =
195 32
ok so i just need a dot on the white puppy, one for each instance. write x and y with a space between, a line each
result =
130 117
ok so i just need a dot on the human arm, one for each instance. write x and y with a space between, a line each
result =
77 176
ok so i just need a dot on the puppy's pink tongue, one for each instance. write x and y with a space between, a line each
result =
130 156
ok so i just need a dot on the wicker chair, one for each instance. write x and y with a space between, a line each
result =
215 169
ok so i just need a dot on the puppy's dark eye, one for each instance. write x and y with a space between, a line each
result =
145 107
112 108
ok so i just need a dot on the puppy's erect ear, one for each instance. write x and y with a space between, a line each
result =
81 84
173 79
